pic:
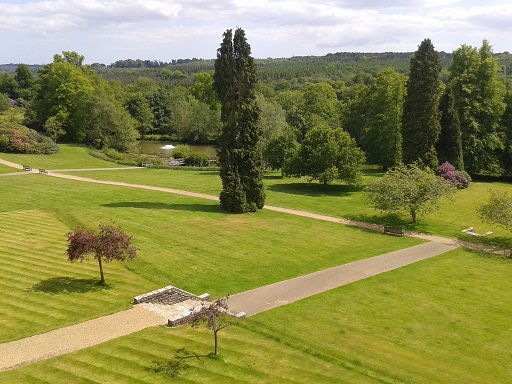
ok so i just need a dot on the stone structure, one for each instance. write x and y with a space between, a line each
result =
172 303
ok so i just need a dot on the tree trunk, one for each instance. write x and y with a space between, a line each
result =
216 342
102 279
414 219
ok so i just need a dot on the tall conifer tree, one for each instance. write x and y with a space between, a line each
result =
241 168
420 121
449 146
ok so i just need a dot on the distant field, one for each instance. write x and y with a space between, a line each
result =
443 320
183 241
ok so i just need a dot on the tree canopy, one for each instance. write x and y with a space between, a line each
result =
111 243
478 96
498 210
81 104
408 189
327 154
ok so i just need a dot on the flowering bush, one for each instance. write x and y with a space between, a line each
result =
459 178
17 138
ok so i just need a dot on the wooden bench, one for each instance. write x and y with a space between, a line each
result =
27 168
177 162
394 231
43 171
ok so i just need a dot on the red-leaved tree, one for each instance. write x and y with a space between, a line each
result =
213 314
111 243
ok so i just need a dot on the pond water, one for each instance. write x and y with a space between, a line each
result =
164 148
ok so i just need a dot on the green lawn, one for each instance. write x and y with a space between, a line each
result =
69 156
338 200
183 241
443 320
41 290
5 169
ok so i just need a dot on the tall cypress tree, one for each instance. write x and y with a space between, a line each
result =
241 165
449 146
420 121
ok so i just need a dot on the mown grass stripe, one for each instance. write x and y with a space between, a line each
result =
98 370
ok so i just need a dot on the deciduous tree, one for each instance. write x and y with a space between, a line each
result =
327 154
408 189
214 315
111 243
382 140
280 148
498 210
478 98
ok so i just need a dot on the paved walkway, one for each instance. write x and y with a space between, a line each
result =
288 291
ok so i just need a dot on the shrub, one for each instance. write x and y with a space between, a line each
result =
17 138
448 172
181 151
4 102
113 154
197 159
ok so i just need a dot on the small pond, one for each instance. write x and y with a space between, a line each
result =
165 148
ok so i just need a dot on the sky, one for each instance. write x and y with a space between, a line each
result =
32 31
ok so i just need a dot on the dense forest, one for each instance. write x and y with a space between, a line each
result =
111 105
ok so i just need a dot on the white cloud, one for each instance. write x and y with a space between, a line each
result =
54 16
167 29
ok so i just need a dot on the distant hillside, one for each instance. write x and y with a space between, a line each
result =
334 66
11 68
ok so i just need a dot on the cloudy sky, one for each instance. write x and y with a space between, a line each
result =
104 31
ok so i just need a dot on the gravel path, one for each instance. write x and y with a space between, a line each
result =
21 352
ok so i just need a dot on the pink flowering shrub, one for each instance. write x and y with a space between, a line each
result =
16 138
459 178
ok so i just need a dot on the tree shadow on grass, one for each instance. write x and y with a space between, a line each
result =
208 208
178 364
59 285
314 189
389 219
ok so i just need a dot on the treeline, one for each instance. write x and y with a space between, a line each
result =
363 93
